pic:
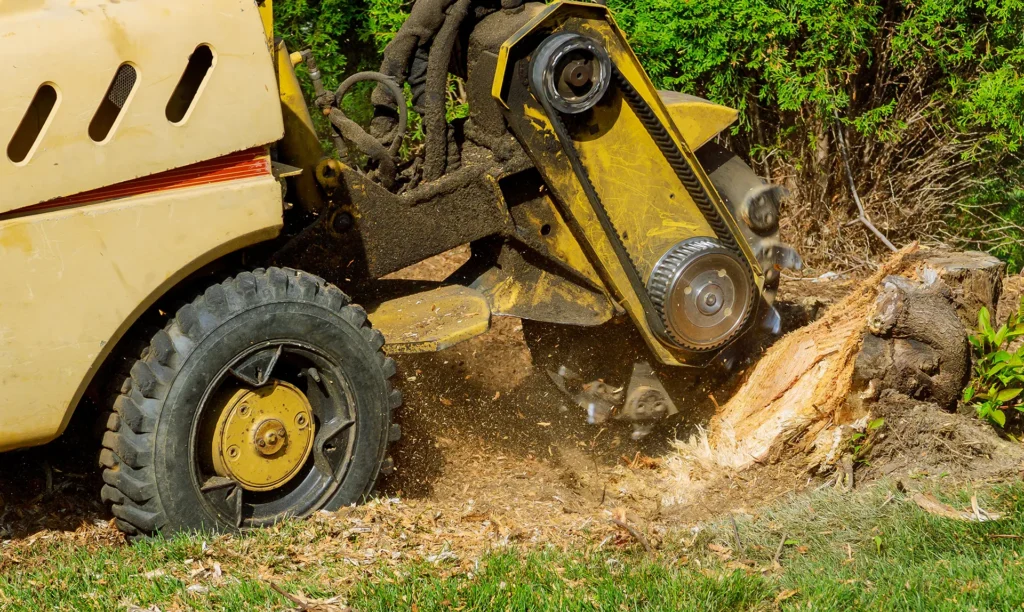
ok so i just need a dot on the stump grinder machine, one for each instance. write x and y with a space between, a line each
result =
180 254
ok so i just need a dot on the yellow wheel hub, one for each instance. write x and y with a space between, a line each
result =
263 436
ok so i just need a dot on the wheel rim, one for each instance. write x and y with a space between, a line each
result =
263 436
283 385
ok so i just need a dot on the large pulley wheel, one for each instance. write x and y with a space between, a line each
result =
265 398
703 294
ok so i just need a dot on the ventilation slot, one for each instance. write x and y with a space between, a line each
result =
187 90
114 102
33 124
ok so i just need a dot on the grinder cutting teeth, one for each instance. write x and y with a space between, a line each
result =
755 205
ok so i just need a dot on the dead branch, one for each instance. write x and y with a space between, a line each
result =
639 537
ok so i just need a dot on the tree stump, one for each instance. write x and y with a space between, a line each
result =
902 331
975 280
797 392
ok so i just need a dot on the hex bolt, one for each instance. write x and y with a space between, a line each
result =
343 222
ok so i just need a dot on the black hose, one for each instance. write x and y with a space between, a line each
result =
354 133
434 122
419 29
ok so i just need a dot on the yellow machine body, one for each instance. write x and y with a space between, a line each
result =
92 232
643 195
128 164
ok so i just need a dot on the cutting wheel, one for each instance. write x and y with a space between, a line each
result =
702 293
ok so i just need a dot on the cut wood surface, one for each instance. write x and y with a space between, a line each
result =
797 392
975 279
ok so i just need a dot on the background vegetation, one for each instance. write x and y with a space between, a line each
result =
929 93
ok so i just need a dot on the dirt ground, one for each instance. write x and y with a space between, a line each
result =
492 451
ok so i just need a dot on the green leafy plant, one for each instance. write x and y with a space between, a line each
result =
998 375
861 441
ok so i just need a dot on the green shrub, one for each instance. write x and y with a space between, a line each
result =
337 33
991 217
998 373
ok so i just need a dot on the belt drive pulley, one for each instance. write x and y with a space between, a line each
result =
701 293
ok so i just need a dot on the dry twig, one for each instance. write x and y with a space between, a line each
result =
736 533
639 537
778 551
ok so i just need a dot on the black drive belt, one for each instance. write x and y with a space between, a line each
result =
682 169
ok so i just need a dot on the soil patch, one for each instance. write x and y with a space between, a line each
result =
920 439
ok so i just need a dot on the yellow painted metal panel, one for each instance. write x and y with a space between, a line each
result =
564 182
266 9
697 119
431 321
75 279
628 64
300 146
560 239
539 295
78 45
651 208
647 202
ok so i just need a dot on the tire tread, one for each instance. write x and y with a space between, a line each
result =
129 477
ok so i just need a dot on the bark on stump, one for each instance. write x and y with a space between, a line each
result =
915 344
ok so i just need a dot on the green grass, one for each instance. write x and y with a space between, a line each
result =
844 552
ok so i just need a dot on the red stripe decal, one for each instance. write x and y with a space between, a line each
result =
243 164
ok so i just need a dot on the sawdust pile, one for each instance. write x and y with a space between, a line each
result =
487 500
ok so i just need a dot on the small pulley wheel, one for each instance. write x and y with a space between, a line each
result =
571 73
703 293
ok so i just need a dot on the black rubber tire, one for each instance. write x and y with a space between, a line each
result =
150 487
